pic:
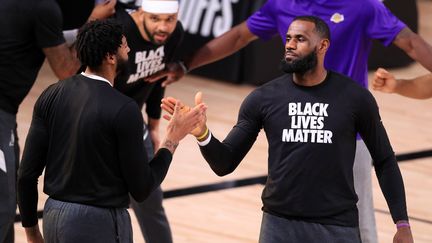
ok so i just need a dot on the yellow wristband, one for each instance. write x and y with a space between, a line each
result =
204 135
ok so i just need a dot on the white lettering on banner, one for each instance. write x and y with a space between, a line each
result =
214 16
147 63
2 162
307 123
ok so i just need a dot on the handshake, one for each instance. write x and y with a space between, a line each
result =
178 114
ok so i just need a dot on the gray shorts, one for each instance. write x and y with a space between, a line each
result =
65 222
280 230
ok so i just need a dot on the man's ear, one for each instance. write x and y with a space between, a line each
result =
324 45
110 58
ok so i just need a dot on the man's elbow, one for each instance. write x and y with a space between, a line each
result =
222 171
406 40
140 196
67 72
24 182
142 192
62 61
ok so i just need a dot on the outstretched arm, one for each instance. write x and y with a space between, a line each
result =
142 178
419 50
418 88
103 10
415 46
223 46
223 157
62 60
216 49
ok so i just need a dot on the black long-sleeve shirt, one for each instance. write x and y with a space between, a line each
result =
88 137
311 133
145 59
26 27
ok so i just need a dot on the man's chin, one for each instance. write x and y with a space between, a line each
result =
290 58
159 41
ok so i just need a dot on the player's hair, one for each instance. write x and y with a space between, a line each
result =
97 39
320 26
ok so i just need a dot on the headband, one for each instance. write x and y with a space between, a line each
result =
160 7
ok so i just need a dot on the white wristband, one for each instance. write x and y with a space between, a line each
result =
205 142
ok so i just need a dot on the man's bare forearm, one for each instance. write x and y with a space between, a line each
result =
221 47
418 88
416 47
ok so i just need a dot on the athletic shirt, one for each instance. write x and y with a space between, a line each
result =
311 133
353 24
88 137
145 59
26 27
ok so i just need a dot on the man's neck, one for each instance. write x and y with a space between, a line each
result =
310 78
106 74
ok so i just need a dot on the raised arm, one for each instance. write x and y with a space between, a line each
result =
415 46
103 10
141 177
419 50
62 60
223 157
418 88
216 49
223 46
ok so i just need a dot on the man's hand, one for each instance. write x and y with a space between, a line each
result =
173 73
403 235
384 81
33 234
182 123
103 10
168 105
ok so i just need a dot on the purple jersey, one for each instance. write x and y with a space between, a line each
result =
353 24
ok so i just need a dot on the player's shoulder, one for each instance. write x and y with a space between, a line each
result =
272 87
277 82
178 31
350 87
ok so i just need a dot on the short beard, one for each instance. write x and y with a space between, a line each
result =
151 37
122 65
300 66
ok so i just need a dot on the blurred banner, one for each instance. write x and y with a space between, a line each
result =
204 20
